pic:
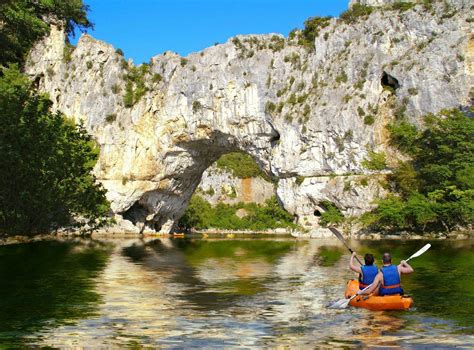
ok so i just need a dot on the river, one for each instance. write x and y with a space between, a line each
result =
232 293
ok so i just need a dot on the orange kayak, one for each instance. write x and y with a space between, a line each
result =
375 302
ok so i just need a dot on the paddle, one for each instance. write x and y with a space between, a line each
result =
421 251
343 303
339 236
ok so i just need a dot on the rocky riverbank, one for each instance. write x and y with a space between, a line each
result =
457 235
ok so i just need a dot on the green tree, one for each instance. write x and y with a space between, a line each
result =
331 216
46 164
197 214
403 135
241 165
446 151
312 26
355 12
376 161
388 214
405 178
435 189
201 215
23 22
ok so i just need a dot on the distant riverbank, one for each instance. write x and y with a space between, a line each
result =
213 233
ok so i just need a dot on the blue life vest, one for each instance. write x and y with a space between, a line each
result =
368 275
391 281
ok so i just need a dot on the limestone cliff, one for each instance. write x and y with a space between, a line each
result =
221 186
308 117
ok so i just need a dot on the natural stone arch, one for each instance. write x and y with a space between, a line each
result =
161 208
246 88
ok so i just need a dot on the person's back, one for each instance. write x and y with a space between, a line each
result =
389 277
391 282
367 272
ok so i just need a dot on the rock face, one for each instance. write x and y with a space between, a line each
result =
308 117
220 186
464 3
374 2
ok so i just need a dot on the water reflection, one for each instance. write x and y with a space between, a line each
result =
47 284
242 293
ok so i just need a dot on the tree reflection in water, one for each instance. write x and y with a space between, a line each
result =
47 284
225 293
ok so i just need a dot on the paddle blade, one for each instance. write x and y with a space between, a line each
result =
340 304
421 251
337 234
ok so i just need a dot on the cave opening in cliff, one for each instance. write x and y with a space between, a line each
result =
389 81
275 139
135 214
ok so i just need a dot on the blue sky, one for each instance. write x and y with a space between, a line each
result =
145 28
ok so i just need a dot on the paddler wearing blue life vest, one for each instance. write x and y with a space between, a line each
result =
388 280
367 272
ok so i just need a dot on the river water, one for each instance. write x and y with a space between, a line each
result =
232 293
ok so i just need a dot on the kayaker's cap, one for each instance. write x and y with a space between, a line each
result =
369 259
386 258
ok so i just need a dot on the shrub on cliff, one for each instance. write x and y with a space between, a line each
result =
45 164
312 27
376 161
135 86
241 165
355 12
331 216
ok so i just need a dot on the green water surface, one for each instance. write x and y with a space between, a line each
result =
224 293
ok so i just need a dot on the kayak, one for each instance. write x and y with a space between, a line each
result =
376 302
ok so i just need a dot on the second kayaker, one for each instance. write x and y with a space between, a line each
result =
367 272
388 280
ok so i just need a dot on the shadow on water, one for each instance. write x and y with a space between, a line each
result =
46 284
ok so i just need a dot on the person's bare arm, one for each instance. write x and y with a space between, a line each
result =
373 286
354 267
404 268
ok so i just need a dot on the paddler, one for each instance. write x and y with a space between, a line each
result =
388 280
367 272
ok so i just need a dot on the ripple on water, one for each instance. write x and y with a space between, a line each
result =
223 293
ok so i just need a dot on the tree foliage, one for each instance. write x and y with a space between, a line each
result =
403 135
135 87
331 216
46 164
23 22
312 27
201 215
376 161
241 165
435 189
355 12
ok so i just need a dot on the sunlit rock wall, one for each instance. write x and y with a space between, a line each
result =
300 114
220 186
